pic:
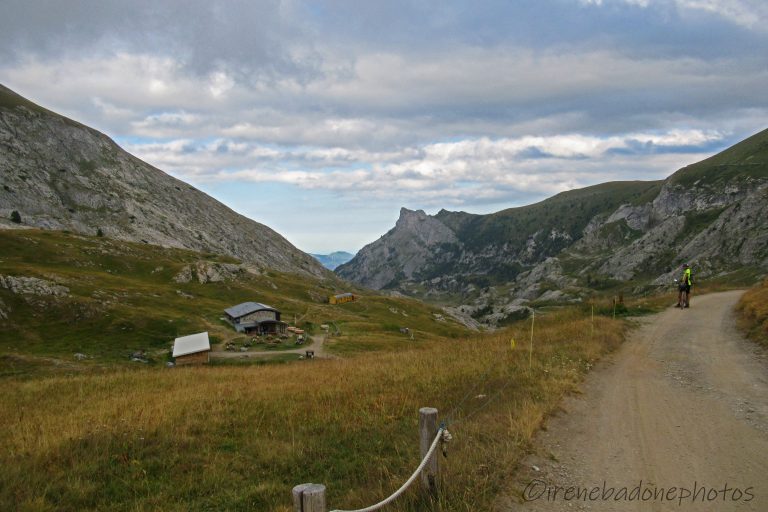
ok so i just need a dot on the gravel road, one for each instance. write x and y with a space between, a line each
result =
318 345
676 420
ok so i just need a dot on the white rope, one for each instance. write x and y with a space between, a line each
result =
407 484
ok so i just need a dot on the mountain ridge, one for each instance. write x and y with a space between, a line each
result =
334 259
60 174
622 235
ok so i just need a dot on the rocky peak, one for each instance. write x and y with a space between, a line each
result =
58 174
403 251
423 227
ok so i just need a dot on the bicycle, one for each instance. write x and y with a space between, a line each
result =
683 295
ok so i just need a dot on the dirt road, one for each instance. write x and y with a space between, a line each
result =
683 404
318 346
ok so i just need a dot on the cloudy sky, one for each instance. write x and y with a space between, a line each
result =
322 118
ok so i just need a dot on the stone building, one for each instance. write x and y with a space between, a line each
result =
255 318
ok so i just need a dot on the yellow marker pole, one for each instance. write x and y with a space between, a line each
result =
512 343
530 350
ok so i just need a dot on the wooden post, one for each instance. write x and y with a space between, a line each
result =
309 498
427 432
530 349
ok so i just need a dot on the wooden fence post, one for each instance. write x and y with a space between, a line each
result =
427 432
309 498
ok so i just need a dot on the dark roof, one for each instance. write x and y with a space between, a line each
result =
246 308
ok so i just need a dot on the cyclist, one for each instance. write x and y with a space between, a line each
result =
685 286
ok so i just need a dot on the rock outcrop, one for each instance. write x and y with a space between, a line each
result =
210 272
32 286
416 241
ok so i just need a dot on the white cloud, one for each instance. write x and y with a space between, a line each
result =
220 83
751 14
459 172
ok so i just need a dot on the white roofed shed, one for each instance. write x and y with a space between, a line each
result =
194 348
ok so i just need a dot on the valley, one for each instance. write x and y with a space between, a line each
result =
618 237
493 319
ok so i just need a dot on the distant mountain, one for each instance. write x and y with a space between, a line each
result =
56 173
333 260
612 235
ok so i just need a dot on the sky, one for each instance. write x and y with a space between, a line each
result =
321 119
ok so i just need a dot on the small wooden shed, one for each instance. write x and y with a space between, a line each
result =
192 349
342 298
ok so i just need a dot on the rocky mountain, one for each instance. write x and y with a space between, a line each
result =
56 173
613 235
333 260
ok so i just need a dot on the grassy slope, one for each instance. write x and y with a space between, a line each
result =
10 100
747 159
567 212
136 437
123 298
239 438
753 313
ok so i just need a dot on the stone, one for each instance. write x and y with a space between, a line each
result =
32 286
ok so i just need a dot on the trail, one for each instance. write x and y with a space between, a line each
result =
684 403
318 346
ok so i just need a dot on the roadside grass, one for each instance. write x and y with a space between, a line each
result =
231 437
753 313
247 360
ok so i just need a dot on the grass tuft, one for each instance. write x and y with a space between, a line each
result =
753 313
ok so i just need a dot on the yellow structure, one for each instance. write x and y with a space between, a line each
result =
342 298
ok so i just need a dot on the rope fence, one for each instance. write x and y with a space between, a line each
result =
439 437
311 497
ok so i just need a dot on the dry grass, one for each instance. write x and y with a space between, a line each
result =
230 438
753 313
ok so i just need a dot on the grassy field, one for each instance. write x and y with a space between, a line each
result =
104 433
753 313
239 438
123 298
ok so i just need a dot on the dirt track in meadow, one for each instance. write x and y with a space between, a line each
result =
683 404
317 345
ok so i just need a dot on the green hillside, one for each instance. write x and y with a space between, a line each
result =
553 225
123 297
9 99
568 212
745 160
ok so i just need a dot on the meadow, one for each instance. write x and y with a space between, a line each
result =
239 438
124 297
108 434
